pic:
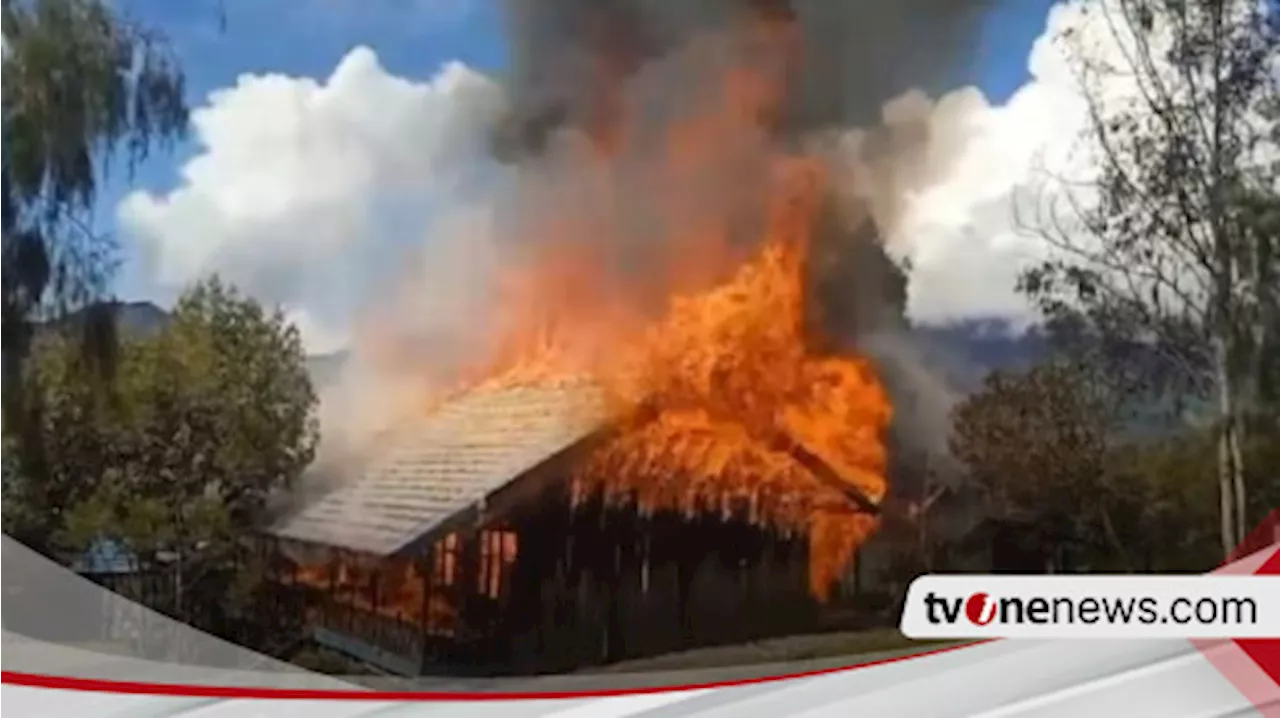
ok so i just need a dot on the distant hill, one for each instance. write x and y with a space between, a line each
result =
969 350
142 319
137 319
966 350
325 369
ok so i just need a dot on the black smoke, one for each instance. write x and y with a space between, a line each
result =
569 56
856 53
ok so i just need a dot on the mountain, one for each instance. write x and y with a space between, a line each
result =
136 319
325 369
966 351
142 319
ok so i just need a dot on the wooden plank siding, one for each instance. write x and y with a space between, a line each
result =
519 579
546 587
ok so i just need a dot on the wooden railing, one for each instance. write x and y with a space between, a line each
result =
383 632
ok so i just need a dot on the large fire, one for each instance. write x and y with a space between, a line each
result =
699 334
705 349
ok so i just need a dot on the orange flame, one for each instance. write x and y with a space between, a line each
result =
708 337
401 589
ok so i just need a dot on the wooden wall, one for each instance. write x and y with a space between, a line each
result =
599 584
581 586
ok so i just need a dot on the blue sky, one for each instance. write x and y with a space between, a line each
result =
219 40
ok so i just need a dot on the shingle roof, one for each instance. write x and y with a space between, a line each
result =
454 457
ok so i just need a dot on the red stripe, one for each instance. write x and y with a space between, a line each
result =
1258 682
99 685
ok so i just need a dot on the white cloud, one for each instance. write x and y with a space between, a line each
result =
351 202
964 190
310 193
306 193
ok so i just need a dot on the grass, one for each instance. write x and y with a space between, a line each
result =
830 649
870 643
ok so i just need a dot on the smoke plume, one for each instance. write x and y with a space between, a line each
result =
584 74
857 54
857 95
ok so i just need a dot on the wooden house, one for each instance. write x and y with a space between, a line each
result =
465 547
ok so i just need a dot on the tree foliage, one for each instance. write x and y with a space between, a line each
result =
1037 443
86 86
1160 505
1171 244
1058 448
176 457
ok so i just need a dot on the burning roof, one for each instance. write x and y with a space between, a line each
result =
447 461
473 446
669 260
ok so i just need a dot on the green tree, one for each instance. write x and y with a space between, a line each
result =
74 430
1160 503
253 370
1036 443
177 456
86 86
1172 243
1067 446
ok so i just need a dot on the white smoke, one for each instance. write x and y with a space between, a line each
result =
367 206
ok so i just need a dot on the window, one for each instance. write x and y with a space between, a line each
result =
497 554
446 560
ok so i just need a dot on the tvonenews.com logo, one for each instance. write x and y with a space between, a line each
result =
1102 606
982 609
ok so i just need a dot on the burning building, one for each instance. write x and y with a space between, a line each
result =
671 441
699 478
475 541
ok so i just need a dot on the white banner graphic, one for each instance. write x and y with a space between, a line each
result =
1139 607
1005 678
